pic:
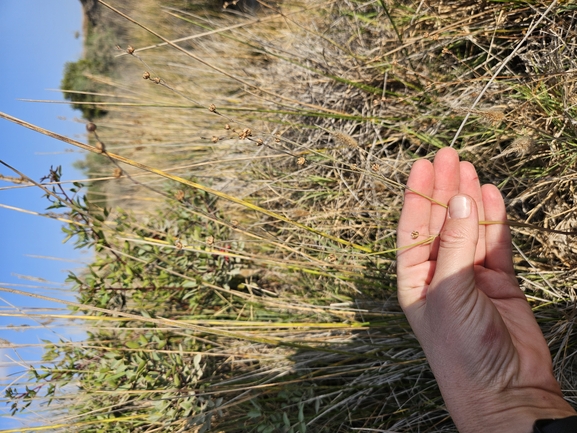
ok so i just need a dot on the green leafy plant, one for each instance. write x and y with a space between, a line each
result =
80 84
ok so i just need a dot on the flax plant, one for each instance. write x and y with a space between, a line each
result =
242 195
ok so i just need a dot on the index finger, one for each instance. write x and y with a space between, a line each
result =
415 216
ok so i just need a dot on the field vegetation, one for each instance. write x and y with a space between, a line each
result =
245 180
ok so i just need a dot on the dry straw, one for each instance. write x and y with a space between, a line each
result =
323 121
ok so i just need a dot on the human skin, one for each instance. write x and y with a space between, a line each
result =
461 297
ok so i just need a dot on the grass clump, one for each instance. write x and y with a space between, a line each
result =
263 299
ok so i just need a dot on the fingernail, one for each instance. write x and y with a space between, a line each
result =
460 207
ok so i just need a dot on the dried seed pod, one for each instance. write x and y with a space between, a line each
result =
100 147
259 142
178 244
214 139
375 167
156 80
227 126
301 160
179 195
146 75
209 240
130 49
90 127
331 258
117 172
245 133
414 234
212 108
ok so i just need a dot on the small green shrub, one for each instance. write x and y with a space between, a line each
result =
79 85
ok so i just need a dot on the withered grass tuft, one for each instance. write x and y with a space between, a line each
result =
276 311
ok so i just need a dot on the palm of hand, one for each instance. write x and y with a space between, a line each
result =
463 302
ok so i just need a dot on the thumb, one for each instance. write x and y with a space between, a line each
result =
457 244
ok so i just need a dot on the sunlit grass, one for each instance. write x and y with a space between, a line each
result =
243 193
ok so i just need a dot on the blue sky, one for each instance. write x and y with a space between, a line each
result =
37 37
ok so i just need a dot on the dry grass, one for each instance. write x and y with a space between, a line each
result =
315 111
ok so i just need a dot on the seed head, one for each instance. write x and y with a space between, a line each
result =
521 146
259 142
210 240
156 80
212 108
375 167
146 75
300 213
227 126
130 49
301 161
117 172
245 133
493 115
344 139
214 139
90 127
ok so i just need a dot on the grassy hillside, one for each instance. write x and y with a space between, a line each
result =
246 181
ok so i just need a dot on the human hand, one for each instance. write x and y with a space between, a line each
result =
461 297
